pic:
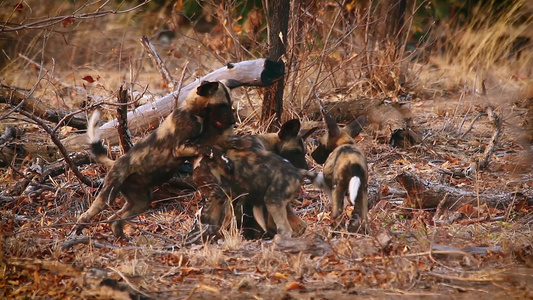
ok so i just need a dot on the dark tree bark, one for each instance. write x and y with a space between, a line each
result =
278 20
390 23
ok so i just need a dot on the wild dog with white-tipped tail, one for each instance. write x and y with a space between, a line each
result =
345 171
187 132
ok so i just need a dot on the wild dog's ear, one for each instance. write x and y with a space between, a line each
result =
289 129
320 154
207 88
307 132
356 126
333 129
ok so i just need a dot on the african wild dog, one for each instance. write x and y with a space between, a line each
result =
262 178
187 132
345 170
288 142
214 185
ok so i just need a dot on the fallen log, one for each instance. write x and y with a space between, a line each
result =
258 72
425 194
16 96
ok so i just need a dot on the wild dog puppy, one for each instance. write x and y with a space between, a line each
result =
262 178
288 142
213 184
152 161
345 170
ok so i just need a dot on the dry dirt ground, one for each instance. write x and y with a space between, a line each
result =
469 251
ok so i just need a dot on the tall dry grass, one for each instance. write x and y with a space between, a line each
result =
494 45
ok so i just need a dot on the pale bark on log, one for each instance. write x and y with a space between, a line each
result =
258 72
426 194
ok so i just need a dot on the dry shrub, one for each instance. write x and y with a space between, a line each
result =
494 45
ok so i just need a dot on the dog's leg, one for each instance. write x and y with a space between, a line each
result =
137 202
278 212
298 225
358 220
108 193
337 203
210 187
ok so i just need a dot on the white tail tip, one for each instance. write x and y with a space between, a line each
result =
353 188
93 131
319 181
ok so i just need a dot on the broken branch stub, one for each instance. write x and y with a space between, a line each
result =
258 72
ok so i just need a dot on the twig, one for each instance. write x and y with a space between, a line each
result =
159 64
90 241
472 124
124 134
466 279
497 124
56 20
61 148
22 101
180 83
132 286
58 167
55 78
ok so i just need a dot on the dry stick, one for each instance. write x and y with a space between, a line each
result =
24 101
323 56
56 20
124 134
176 98
467 279
497 124
61 148
159 64
472 125
52 76
133 287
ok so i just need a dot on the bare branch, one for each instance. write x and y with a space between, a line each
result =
61 148
122 117
159 64
41 24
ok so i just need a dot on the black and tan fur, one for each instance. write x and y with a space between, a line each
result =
185 133
263 183
345 170
288 142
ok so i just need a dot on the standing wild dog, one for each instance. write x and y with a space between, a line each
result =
265 179
215 186
152 161
288 143
345 170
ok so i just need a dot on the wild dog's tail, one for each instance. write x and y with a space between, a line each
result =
317 178
358 175
97 149
353 188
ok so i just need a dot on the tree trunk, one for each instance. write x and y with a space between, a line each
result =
278 23
390 23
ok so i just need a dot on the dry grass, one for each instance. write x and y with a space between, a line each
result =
329 49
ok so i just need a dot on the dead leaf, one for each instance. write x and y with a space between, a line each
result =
18 7
294 286
89 79
67 21
466 209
